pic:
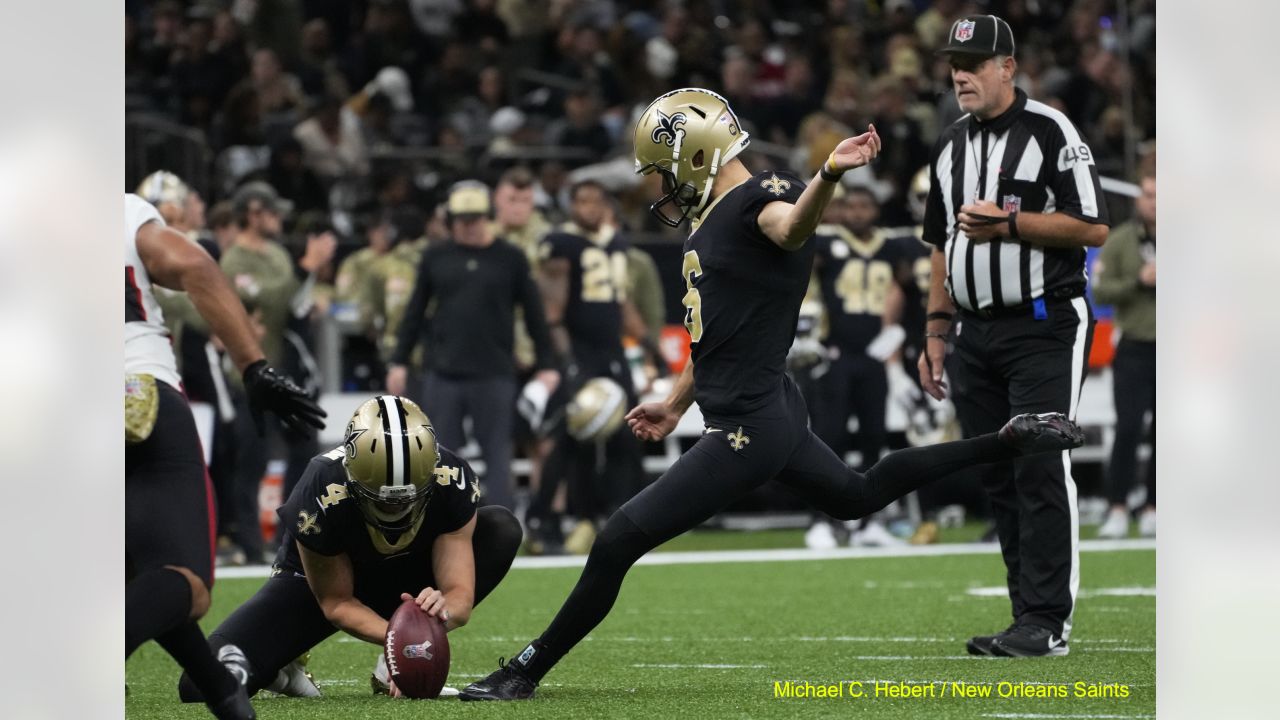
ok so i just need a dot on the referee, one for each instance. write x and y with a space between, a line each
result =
1014 202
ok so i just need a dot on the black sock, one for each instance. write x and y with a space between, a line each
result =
617 547
187 645
900 472
155 602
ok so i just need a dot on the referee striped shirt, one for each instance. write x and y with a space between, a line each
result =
1029 159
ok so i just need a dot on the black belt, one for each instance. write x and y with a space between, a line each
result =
1069 292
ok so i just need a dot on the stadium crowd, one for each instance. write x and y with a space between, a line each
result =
328 134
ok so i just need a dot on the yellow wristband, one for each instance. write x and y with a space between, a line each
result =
829 172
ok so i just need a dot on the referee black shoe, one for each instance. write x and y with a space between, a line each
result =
505 683
1030 433
1027 640
981 644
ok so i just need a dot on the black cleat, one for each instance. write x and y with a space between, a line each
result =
981 644
1046 432
505 683
234 706
1029 640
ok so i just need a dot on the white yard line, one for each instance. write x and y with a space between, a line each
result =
698 666
753 556
1047 715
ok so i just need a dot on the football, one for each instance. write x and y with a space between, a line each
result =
417 651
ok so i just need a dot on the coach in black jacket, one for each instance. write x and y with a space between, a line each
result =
1015 200
475 281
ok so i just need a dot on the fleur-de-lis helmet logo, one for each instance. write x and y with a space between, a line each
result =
665 132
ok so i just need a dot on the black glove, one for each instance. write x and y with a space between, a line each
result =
269 390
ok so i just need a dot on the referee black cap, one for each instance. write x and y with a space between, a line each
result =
980 35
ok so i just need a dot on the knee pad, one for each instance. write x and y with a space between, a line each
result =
500 525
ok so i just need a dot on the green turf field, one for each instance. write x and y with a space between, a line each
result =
711 640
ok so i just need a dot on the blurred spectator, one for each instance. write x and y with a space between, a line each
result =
1086 93
905 151
352 281
332 144
481 27
290 175
447 81
390 281
273 24
435 17
227 43
585 60
318 69
158 46
261 270
222 224
475 112
200 80
933 24
389 37
278 91
768 59
1124 275
518 222
551 193
241 118
580 129
800 97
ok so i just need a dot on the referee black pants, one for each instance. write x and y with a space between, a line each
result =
1014 364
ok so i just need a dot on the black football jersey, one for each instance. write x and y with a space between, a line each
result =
915 267
597 289
742 297
855 277
321 516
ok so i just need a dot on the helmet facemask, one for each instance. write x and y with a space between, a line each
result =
393 509
684 196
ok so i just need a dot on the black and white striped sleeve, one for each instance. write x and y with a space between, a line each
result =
1072 172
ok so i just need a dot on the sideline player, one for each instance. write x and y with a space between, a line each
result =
746 267
583 276
168 505
387 516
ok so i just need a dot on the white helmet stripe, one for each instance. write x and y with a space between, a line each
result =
392 435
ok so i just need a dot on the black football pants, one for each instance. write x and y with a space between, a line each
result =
283 620
168 499
734 456
856 384
1006 366
1134 383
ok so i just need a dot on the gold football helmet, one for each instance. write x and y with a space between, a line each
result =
162 187
595 413
390 454
687 135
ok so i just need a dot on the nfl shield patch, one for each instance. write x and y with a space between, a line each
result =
1012 203
964 30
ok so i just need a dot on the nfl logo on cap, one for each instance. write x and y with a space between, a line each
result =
964 30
